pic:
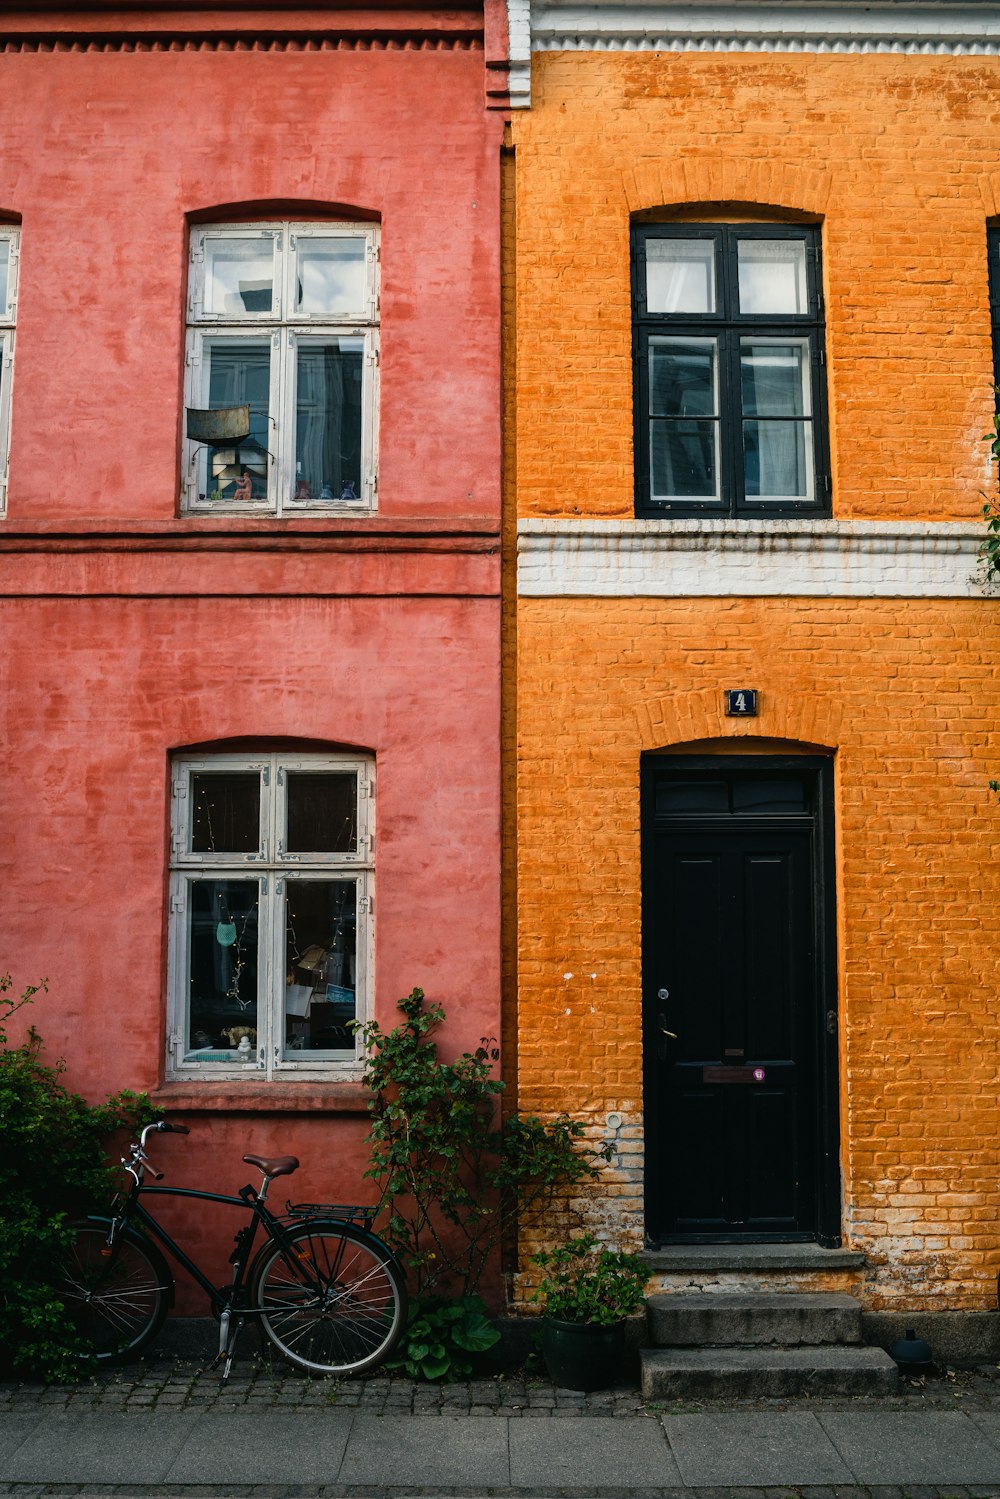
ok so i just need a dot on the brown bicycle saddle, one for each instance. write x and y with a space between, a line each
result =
275 1165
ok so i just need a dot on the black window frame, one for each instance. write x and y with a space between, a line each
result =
727 325
993 273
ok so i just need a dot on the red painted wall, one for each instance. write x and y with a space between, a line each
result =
105 154
130 631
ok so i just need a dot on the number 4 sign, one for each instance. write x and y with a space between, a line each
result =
741 702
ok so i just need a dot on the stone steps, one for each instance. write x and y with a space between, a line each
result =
757 1318
759 1343
729 1373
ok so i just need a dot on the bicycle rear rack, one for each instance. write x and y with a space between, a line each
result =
342 1212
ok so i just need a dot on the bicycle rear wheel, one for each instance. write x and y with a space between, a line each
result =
333 1298
115 1298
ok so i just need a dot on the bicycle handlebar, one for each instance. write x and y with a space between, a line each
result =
138 1161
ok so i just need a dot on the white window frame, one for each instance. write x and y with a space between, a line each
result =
10 236
286 326
272 866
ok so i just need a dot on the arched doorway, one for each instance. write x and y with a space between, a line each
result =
739 997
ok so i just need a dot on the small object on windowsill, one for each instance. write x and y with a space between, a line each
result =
347 493
245 1050
302 490
244 489
326 493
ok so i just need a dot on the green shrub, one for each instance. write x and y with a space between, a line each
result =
587 1282
52 1167
453 1182
440 1336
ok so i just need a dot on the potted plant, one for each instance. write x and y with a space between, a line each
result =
589 1293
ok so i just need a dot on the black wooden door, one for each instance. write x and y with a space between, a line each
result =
730 968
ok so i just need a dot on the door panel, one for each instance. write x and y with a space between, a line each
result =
730 958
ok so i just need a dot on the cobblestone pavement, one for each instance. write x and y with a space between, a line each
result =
175 1384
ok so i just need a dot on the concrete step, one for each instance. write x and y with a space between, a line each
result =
728 1373
683 1319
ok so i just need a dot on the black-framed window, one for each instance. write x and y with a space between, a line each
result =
730 395
993 263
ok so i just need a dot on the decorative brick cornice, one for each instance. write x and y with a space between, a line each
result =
242 42
727 179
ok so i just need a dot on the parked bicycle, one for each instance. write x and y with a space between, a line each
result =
326 1291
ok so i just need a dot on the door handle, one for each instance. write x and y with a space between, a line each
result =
665 1032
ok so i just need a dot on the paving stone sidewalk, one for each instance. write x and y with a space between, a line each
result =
166 1429
184 1384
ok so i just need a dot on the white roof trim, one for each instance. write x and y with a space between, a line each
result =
753 26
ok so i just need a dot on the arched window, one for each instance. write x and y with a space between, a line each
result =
282 356
270 913
729 397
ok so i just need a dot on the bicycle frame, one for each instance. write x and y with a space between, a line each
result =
248 1200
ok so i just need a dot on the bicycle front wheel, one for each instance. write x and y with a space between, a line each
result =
116 1298
332 1298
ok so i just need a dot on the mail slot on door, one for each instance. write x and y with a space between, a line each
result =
732 1074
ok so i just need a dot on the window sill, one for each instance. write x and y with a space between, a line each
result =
251 1097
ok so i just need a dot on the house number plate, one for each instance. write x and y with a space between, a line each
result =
741 702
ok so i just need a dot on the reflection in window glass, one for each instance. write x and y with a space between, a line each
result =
239 276
223 963
225 813
777 453
239 374
330 276
769 796
322 813
328 415
673 797
680 275
772 276
320 968
774 378
683 391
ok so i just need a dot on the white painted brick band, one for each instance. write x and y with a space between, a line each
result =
751 558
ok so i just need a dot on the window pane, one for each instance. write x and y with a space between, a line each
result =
322 813
328 419
330 276
225 813
222 977
684 459
774 378
772 276
683 377
673 797
239 374
239 276
680 275
769 796
320 968
4 275
777 459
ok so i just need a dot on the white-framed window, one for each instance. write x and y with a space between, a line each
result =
282 368
10 245
270 933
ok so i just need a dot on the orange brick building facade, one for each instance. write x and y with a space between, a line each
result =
862 625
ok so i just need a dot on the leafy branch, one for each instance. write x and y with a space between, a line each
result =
452 1181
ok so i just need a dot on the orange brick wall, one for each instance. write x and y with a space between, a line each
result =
911 711
895 155
896 158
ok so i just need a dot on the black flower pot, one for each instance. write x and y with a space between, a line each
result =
583 1355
